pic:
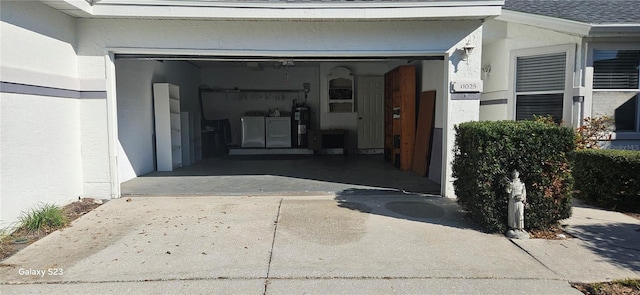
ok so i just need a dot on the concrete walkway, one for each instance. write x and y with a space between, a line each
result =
356 242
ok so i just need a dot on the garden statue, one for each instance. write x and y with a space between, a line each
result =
517 199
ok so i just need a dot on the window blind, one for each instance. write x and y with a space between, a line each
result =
541 105
541 73
615 69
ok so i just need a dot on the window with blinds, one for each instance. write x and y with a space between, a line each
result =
616 69
540 85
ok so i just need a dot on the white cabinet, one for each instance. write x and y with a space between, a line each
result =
187 138
166 101
340 82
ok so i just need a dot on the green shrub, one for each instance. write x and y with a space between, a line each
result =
47 217
608 178
487 152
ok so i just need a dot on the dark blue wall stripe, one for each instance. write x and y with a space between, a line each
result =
7 87
493 101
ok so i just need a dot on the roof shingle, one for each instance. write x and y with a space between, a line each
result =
586 11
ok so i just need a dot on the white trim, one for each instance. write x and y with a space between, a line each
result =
605 30
304 4
228 13
214 54
79 8
112 124
570 51
281 11
445 181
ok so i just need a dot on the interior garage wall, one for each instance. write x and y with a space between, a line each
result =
233 106
432 78
134 82
39 103
348 121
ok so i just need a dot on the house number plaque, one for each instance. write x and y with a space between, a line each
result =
466 86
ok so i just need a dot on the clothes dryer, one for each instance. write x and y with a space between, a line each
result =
253 133
278 132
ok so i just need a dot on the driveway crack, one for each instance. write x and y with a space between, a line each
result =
273 242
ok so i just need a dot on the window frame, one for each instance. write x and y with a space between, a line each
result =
570 53
590 63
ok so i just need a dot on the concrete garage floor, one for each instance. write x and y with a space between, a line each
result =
282 175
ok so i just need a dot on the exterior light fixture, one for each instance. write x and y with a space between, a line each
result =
466 51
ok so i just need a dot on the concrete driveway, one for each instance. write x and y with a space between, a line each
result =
356 242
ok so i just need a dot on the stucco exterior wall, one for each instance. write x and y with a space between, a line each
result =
37 32
457 111
96 36
504 39
39 103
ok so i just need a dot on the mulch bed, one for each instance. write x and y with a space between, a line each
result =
607 288
21 238
555 233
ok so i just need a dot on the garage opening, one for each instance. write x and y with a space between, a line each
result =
193 125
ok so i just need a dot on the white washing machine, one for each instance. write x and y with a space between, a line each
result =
253 131
278 131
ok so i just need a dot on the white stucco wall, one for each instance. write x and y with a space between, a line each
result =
459 111
33 32
39 137
278 38
502 41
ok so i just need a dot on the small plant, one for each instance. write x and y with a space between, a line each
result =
548 119
592 131
631 283
46 218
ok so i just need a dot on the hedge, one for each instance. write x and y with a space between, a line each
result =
486 153
608 178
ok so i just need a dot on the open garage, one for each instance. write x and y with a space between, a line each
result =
91 68
332 111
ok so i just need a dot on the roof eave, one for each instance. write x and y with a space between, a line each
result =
570 26
278 11
614 30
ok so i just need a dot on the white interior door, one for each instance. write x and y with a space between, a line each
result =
370 104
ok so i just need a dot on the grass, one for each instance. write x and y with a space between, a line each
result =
39 222
46 218
5 241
